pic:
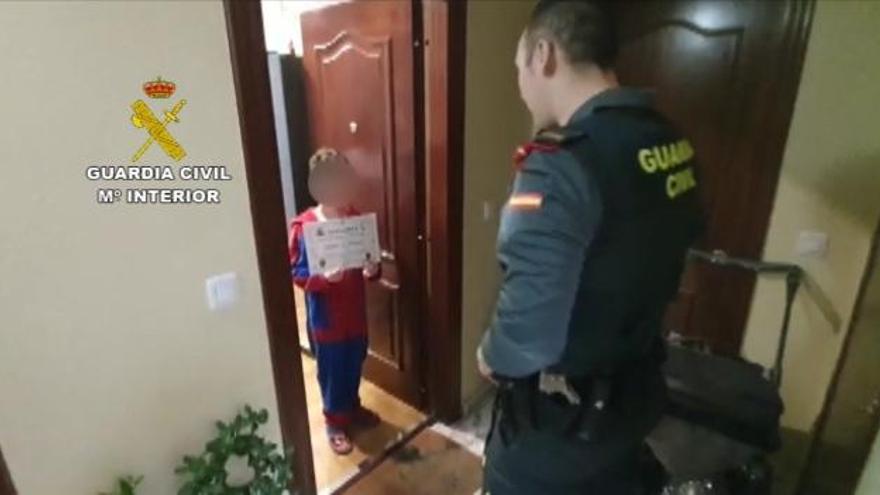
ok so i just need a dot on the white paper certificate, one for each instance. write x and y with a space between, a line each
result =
341 244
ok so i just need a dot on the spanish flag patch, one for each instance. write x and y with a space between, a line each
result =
526 201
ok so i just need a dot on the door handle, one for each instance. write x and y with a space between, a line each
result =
387 256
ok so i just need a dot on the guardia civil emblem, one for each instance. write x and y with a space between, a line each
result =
157 130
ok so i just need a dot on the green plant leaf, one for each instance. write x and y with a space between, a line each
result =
206 474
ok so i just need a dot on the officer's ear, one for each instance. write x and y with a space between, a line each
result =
546 57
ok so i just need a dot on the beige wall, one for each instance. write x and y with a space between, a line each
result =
495 123
829 182
110 361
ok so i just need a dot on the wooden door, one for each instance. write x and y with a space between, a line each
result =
726 72
359 64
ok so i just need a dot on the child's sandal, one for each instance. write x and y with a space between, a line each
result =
339 441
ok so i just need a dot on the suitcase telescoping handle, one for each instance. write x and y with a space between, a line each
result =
793 276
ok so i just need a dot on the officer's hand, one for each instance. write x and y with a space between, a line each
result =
484 368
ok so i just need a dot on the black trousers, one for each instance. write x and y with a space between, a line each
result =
535 463
543 459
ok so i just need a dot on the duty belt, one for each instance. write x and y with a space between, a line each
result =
585 400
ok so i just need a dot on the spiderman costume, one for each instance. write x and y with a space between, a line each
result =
337 321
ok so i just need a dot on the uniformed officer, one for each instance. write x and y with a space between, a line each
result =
592 244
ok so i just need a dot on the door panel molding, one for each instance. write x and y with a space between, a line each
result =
708 32
345 50
337 46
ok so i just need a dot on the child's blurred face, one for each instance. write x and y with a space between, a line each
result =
333 183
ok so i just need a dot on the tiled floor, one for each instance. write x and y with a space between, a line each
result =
440 460
397 418
471 430
429 464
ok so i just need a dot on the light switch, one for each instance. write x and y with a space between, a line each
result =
221 291
487 211
812 244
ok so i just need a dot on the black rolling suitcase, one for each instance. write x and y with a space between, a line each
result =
723 415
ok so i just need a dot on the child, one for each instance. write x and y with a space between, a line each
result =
336 303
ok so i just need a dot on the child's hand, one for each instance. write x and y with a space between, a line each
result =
371 269
334 276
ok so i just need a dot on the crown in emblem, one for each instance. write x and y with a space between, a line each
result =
159 88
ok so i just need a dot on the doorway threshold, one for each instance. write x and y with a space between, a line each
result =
432 459
367 467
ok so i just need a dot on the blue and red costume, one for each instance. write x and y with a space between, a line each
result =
337 320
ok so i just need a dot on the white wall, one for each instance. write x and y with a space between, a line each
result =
110 362
829 182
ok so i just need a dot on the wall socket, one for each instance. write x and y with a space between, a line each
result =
488 210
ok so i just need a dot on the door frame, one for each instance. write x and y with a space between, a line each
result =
440 108
439 29
6 485
831 395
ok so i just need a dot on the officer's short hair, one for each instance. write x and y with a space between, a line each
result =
583 29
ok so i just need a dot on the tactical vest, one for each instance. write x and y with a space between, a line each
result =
646 177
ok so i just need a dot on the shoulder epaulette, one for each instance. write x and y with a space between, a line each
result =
547 141
541 144
555 136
